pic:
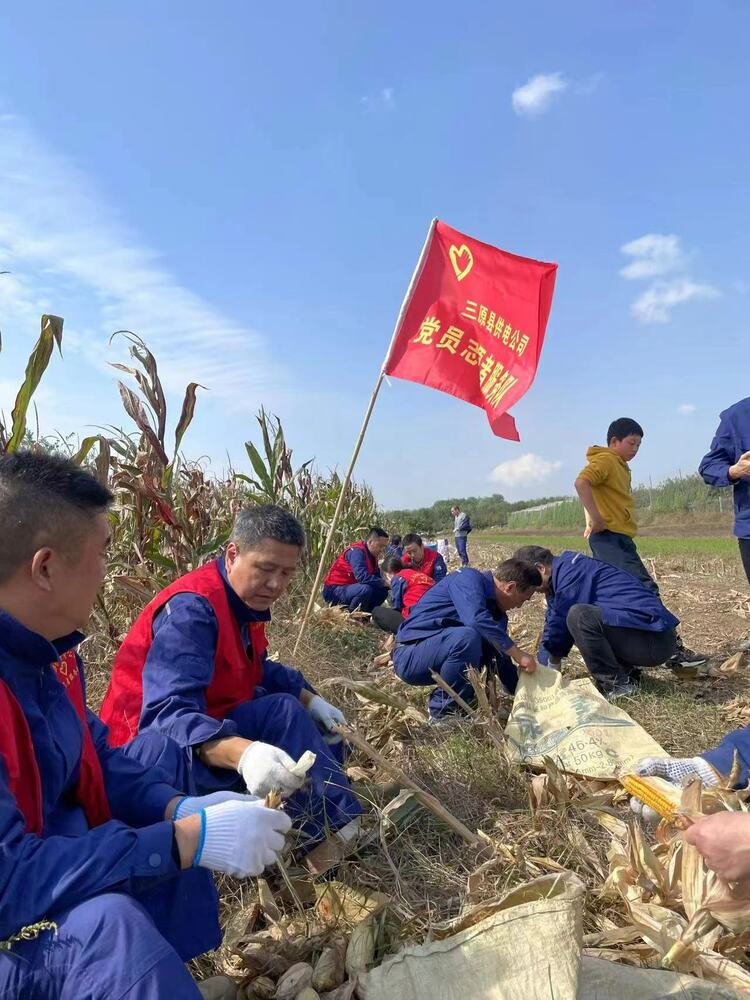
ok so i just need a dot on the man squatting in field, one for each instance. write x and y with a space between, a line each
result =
460 623
112 852
617 623
354 579
195 667
605 491
419 556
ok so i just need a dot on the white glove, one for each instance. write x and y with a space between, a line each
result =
325 717
192 804
265 768
241 838
678 771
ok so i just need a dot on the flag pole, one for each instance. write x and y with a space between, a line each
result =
363 430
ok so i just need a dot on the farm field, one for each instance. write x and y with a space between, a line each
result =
427 872
648 545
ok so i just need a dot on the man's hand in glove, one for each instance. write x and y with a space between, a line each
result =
265 768
326 717
240 838
678 771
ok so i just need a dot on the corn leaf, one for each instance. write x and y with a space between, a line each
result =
186 416
51 334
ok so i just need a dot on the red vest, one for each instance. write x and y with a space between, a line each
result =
428 561
235 675
417 585
17 751
341 573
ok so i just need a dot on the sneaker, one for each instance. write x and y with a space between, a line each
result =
446 721
685 658
620 689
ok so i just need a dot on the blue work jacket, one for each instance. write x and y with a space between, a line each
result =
732 439
722 758
180 665
464 598
621 598
69 863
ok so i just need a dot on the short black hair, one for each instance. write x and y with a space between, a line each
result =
534 555
376 532
623 427
413 539
254 525
395 539
526 576
392 565
45 500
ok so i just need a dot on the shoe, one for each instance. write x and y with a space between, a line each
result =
620 689
685 658
446 721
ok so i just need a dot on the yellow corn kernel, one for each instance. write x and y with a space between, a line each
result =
662 796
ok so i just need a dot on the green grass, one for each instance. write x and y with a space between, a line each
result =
724 548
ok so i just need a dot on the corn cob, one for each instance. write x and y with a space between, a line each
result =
662 796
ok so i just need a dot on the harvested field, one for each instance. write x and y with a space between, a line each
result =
429 873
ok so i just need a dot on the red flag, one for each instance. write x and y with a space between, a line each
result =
474 324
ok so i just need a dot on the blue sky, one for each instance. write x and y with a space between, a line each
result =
249 189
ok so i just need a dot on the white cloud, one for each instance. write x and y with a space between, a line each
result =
536 95
656 303
524 470
383 100
64 243
686 408
652 255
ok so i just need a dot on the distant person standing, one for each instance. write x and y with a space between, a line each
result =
461 529
444 549
605 491
728 464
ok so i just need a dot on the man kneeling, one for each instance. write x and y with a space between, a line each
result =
616 622
109 854
460 623
194 667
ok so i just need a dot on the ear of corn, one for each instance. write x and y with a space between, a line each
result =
659 795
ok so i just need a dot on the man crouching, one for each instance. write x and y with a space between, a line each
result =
110 857
194 667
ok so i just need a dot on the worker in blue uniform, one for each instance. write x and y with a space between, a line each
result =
195 667
354 580
617 623
728 464
460 623
114 857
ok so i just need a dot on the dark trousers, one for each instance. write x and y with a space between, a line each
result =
619 550
387 619
463 553
745 553
356 596
612 653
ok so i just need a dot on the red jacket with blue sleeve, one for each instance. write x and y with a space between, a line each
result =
407 587
356 564
183 668
64 854
432 564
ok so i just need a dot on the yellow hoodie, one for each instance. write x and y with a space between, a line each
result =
610 483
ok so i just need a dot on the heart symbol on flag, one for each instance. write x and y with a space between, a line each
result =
458 256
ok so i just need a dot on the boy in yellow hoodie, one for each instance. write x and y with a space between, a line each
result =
606 493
